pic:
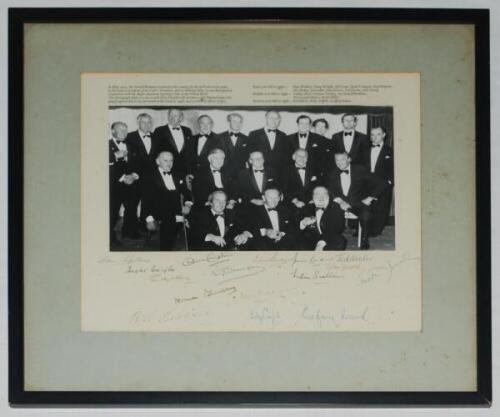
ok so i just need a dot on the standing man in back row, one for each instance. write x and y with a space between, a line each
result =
351 141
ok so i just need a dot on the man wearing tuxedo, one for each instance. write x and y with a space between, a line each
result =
274 227
217 228
321 127
253 181
235 144
353 188
349 140
123 185
143 144
272 142
322 223
166 201
299 180
379 161
201 145
212 177
174 137
317 147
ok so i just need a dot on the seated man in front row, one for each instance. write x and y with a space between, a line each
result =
217 228
166 200
273 226
322 223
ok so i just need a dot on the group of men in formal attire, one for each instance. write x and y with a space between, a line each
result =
264 191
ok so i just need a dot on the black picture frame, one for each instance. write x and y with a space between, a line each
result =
479 18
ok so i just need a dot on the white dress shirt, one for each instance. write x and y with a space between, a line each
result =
302 174
168 180
319 215
375 152
217 178
178 136
146 140
220 224
271 136
233 137
120 144
348 140
259 179
273 216
303 141
345 181
201 143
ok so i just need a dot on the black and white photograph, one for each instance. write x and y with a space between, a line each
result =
251 178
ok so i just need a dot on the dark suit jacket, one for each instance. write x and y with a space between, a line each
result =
166 142
292 184
119 167
195 161
246 187
276 158
319 149
261 220
206 223
204 184
160 202
360 145
236 155
384 168
140 158
331 223
363 184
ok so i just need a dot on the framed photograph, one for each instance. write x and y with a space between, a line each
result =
249 206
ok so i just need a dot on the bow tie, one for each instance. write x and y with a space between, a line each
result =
234 134
166 173
215 170
302 135
258 170
219 215
271 130
271 209
347 133
204 136
147 135
320 209
344 171
376 146
300 169
176 128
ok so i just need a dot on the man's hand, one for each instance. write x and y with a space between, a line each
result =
344 206
129 179
257 201
367 201
121 154
241 239
307 221
271 234
298 203
151 225
320 245
186 210
231 204
218 240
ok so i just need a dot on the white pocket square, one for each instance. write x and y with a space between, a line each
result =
313 178
270 179
315 145
387 157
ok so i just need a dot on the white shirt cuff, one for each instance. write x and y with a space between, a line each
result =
179 219
121 178
262 231
150 219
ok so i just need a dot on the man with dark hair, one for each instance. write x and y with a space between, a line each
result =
321 126
216 228
379 161
123 185
235 145
174 138
213 177
354 189
166 200
349 140
201 145
274 227
272 142
322 223
317 147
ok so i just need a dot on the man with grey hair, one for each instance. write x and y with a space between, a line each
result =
201 145
174 137
216 228
235 144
